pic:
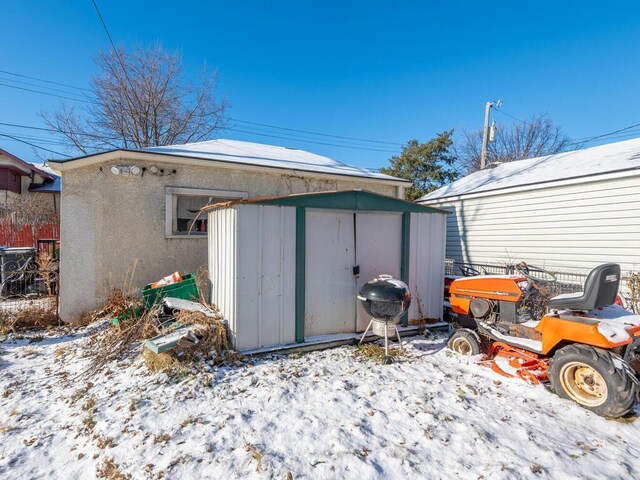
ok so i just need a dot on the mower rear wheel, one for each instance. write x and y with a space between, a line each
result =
593 378
464 342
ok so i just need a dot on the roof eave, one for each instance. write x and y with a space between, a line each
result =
97 158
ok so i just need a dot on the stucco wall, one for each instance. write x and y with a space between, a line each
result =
109 223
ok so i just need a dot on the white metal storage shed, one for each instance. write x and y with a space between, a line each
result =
569 212
287 270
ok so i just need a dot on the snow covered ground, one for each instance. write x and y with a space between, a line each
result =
328 414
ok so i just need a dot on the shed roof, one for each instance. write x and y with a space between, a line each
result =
340 200
613 157
253 154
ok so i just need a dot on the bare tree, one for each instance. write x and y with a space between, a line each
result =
532 137
140 99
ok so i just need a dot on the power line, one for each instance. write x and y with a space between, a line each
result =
508 115
311 141
15 125
53 130
22 82
239 120
45 81
590 139
303 137
104 25
33 145
315 133
45 93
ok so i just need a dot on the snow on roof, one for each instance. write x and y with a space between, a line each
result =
46 168
602 159
248 153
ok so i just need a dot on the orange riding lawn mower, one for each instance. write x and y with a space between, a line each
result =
587 347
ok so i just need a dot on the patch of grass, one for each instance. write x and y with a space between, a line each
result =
629 418
110 470
30 318
30 352
60 352
105 442
89 421
375 352
256 454
191 420
164 362
164 438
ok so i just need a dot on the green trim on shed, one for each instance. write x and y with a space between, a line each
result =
301 219
404 257
355 200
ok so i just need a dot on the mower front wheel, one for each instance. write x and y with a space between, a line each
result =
593 378
464 342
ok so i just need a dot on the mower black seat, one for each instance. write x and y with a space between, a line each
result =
600 290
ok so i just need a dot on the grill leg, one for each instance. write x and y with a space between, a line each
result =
386 341
365 332
399 339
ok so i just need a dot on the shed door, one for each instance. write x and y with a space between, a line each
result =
330 286
378 251
336 242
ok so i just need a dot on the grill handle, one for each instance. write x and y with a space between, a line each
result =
362 299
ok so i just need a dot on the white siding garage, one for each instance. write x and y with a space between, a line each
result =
287 270
569 211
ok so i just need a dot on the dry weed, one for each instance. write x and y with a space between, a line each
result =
373 351
110 470
30 318
105 442
211 332
164 438
164 362
256 454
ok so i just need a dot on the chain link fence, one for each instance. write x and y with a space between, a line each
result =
566 281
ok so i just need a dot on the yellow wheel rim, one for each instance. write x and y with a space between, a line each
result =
462 346
583 384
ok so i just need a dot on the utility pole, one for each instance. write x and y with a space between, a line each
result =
485 135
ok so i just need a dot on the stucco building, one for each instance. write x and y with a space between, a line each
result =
142 207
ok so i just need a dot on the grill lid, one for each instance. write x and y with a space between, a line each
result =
385 288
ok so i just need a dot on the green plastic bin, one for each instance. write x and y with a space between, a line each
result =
186 290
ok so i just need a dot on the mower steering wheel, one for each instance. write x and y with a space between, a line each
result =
468 271
535 274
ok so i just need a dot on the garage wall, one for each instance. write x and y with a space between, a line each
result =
572 227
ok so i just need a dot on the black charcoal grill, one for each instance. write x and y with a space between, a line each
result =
386 299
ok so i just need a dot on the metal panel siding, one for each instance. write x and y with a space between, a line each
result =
265 276
330 287
426 265
573 226
378 251
222 265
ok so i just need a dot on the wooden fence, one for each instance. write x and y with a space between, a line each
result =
12 235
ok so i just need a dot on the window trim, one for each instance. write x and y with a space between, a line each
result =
169 212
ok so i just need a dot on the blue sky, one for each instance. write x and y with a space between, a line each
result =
387 71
